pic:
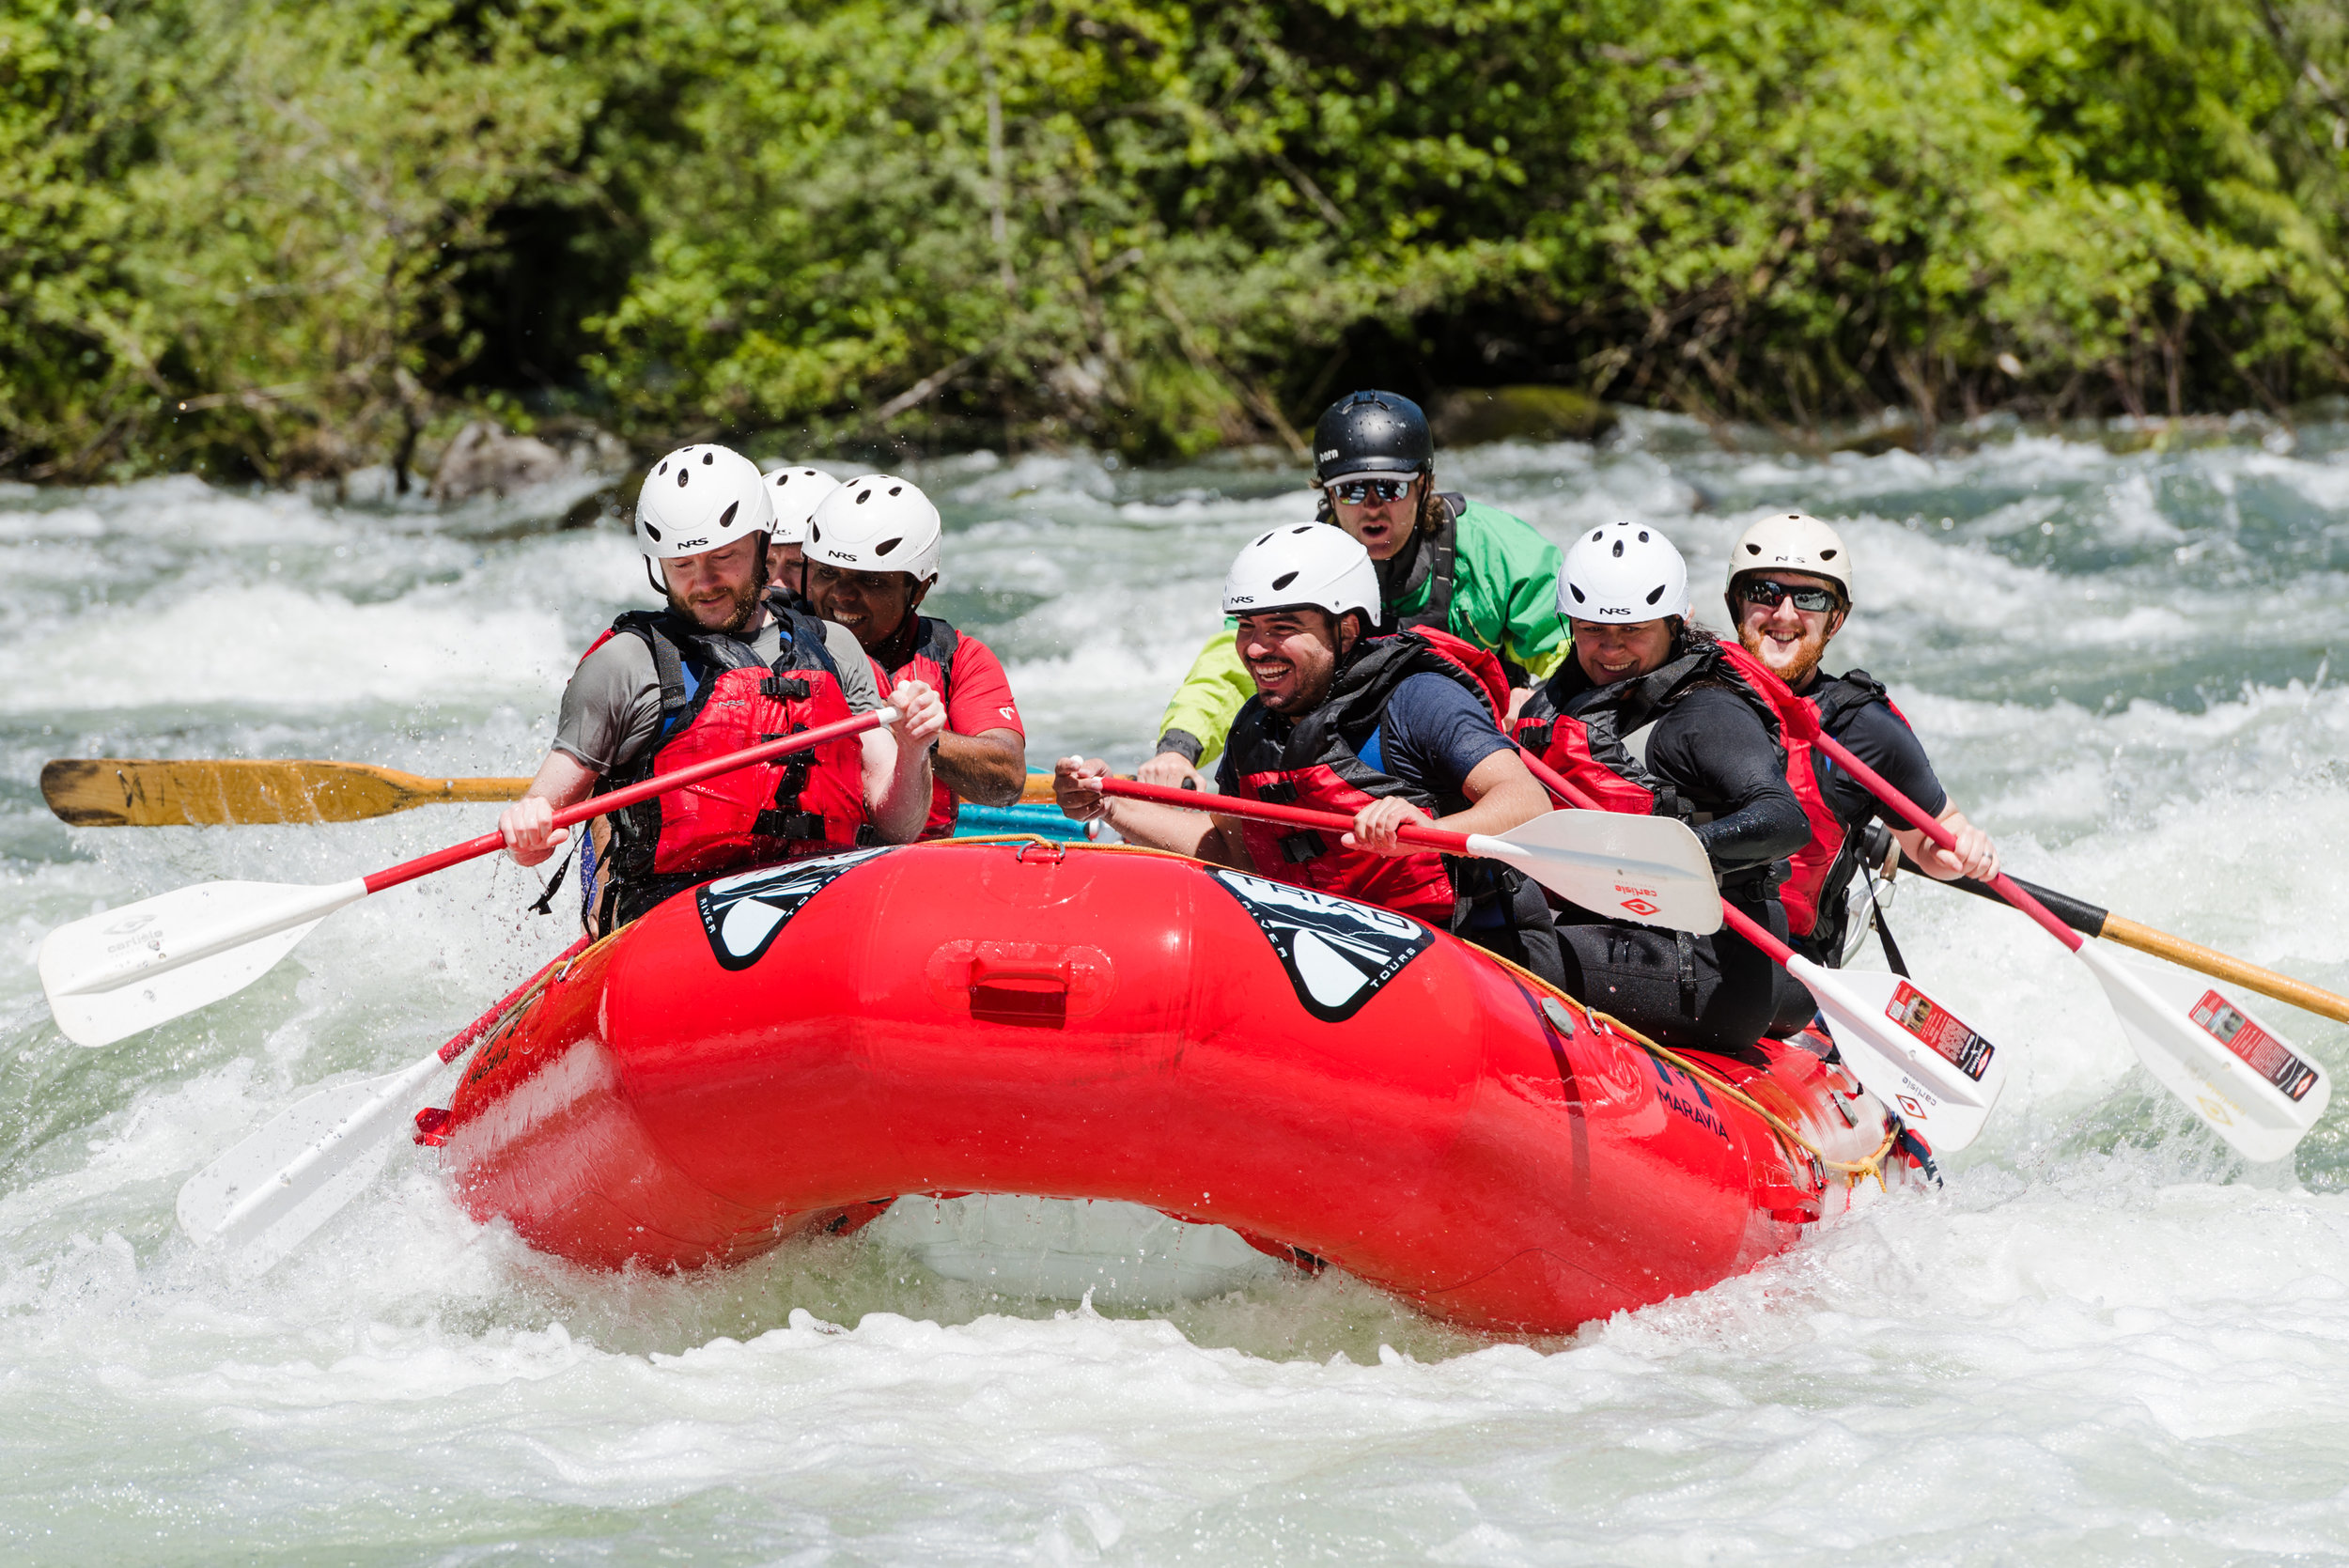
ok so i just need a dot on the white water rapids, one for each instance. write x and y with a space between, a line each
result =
2105 1341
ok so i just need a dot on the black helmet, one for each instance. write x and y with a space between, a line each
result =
1372 432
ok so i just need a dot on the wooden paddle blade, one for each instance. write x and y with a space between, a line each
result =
1650 869
265 1196
127 792
114 974
2247 1082
1910 1051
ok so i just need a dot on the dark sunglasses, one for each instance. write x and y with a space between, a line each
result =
1766 595
1355 491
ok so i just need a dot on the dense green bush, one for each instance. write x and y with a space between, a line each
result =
283 238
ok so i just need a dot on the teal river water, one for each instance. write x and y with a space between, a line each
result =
2105 1341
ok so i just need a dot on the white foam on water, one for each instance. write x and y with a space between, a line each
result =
2107 1339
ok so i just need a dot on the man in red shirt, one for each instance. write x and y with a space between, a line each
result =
872 557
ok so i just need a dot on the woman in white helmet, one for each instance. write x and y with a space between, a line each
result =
721 667
1654 714
795 493
873 549
1386 730
1790 591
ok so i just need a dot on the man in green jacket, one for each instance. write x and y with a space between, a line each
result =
1443 561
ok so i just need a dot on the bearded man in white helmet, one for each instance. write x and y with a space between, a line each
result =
1386 730
723 667
873 551
796 492
1651 713
1790 591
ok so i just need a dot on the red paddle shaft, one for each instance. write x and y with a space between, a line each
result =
482 1025
488 844
1875 783
1736 919
1264 811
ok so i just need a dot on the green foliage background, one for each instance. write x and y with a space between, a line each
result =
273 237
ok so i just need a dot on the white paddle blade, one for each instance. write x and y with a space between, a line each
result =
265 1196
130 968
2252 1086
1910 1051
1650 869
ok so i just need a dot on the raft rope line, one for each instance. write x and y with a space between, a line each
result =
1606 1023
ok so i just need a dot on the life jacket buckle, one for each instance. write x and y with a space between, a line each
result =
791 690
1297 848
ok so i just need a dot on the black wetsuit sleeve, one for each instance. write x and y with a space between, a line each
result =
1882 740
1714 748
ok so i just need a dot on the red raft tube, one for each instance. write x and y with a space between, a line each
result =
781 1052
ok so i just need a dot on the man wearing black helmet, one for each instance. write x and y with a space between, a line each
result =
1443 561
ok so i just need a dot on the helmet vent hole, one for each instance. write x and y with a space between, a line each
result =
725 518
651 533
863 496
708 458
663 468
1283 581
1597 534
888 545
682 475
896 489
1578 596
1657 594
1260 543
1827 555
814 535
1753 550
1618 550
1302 528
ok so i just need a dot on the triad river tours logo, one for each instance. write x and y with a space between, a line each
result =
742 915
1338 954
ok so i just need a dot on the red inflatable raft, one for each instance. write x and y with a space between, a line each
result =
786 1050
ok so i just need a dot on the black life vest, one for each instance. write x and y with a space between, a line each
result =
1317 762
1842 697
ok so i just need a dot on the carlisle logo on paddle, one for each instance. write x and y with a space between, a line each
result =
742 915
1338 954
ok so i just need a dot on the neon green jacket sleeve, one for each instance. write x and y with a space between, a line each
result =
1504 593
1211 695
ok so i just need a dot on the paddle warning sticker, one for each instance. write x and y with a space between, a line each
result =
2260 1050
1940 1028
1339 953
742 915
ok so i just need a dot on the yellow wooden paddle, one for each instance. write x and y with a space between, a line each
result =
126 792
129 792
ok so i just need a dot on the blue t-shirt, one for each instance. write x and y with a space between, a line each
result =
1431 736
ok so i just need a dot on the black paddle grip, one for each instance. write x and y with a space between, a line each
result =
2079 915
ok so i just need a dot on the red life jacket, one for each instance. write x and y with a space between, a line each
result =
1314 763
1602 748
716 697
933 663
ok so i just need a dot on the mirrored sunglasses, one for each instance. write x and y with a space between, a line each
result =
1763 594
1355 491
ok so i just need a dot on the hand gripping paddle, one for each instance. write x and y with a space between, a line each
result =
130 968
2204 1045
1650 869
1904 1047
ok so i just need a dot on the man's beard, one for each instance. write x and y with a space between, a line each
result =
745 606
1808 653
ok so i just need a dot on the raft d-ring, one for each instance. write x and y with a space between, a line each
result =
1045 849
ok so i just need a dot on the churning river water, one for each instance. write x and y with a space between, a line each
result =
2105 1341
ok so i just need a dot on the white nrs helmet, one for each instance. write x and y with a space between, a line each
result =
1314 563
1622 574
1789 541
796 492
877 522
699 498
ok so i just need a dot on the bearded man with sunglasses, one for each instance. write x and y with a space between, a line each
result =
1443 561
1790 591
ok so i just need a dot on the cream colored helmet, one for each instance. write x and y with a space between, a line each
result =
1789 541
